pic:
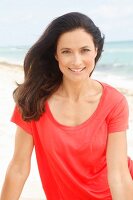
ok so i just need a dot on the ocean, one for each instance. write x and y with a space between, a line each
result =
116 61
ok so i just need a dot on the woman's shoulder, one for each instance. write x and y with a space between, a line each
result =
112 93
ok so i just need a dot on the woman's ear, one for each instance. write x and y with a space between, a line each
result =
96 51
56 57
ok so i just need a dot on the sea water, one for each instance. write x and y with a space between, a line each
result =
117 62
115 65
117 58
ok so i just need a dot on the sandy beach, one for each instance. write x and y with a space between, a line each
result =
8 75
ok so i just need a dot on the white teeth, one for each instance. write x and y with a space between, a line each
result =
76 70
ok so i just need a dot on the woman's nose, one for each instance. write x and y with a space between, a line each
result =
77 60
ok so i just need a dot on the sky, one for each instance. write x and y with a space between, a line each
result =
23 21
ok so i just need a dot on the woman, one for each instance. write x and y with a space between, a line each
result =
77 124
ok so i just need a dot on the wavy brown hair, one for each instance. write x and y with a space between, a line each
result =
42 76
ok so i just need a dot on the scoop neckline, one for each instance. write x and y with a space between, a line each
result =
83 124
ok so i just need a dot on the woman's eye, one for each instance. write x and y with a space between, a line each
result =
65 52
85 50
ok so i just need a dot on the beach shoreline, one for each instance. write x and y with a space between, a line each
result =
10 74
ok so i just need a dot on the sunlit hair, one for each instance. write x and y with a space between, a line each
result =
42 76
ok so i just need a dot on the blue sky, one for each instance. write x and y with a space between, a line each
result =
22 22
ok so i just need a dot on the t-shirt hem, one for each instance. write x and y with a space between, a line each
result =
21 126
117 130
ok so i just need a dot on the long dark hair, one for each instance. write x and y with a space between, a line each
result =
42 76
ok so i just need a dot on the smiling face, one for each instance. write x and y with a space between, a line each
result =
76 54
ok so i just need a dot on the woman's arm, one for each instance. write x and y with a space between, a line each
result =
119 178
19 167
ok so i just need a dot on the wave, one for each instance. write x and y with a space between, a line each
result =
9 61
114 50
115 80
123 70
4 63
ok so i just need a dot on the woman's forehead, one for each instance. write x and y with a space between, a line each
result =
77 37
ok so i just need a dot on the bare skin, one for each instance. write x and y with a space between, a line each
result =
19 167
70 107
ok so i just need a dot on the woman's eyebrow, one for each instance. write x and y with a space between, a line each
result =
85 47
67 48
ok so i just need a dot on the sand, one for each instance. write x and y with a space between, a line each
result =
8 75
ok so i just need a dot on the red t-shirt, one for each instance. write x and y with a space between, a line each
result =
72 160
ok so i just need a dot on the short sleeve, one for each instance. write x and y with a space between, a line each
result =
117 119
17 119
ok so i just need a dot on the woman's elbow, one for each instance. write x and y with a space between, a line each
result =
119 179
20 170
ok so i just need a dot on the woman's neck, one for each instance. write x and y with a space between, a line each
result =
78 90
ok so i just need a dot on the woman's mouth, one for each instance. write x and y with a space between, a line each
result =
77 69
